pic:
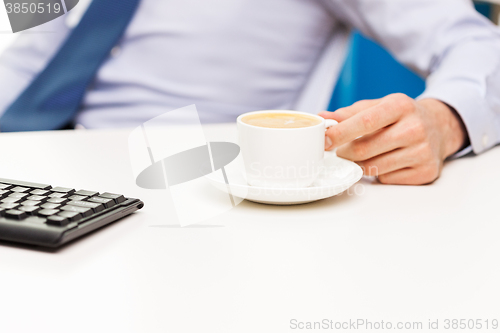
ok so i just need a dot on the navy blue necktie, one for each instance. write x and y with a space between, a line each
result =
52 100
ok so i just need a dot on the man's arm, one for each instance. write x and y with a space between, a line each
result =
459 52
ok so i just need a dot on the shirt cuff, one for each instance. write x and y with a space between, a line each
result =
461 153
467 100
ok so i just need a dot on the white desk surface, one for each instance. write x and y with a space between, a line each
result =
392 253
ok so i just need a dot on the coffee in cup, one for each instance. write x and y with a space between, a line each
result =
281 120
282 148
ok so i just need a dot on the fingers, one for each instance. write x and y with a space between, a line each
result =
399 177
368 116
371 145
389 162
347 112
391 138
409 176
362 123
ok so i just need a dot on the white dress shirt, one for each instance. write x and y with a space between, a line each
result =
234 56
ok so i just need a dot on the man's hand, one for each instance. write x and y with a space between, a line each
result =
396 138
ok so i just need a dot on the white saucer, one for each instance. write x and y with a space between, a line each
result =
337 176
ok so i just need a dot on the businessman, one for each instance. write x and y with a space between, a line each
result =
117 63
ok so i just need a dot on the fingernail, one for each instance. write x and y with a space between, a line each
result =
328 143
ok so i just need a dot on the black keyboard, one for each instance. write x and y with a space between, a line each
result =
49 216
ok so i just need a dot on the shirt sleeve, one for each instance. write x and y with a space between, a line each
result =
455 48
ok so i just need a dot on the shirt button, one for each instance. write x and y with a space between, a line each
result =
485 140
115 51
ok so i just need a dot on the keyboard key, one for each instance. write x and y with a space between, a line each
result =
35 219
40 192
86 193
31 210
77 197
58 200
72 216
20 189
50 206
15 214
18 195
25 184
31 203
47 212
37 198
84 211
105 201
58 195
5 187
118 198
4 193
96 207
66 190
9 205
57 220
10 200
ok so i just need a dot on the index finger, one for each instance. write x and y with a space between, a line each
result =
362 123
349 111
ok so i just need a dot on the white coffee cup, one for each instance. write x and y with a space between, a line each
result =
282 157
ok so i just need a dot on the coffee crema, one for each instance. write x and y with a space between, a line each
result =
280 120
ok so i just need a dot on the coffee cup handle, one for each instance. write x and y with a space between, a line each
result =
329 123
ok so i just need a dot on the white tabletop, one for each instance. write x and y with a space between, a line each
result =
391 253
